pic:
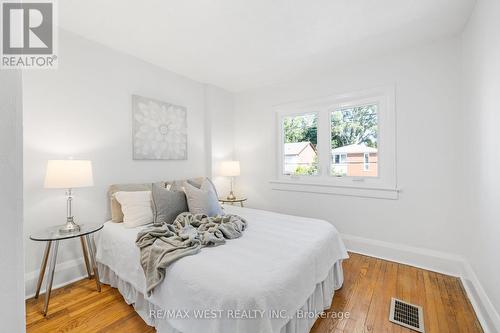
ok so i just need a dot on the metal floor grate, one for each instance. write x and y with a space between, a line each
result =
407 315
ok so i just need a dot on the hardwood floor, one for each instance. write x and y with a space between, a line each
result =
78 307
369 284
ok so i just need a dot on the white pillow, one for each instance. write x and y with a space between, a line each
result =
136 207
203 200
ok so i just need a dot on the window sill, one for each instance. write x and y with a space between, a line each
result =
322 188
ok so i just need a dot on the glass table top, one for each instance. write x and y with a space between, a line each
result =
52 233
232 200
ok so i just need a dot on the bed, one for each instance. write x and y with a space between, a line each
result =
275 278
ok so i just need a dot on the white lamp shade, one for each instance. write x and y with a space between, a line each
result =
230 168
69 174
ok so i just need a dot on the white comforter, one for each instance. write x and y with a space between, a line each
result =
268 273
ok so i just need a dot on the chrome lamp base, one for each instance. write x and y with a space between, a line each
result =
70 226
231 196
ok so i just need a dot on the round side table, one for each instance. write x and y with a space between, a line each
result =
52 236
232 202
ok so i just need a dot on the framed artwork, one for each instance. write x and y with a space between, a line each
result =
159 130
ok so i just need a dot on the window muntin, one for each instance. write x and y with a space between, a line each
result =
354 134
300 139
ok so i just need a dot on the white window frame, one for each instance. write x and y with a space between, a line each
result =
384 185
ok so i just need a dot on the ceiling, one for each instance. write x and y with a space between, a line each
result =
244 44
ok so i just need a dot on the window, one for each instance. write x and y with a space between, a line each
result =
339 166
344 141
340 159
354 135
366 165
300 139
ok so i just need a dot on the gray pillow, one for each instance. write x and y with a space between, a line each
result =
203 200
179 184
167 204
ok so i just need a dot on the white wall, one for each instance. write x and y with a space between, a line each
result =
481 91
429 153
11 192
220 107
83 110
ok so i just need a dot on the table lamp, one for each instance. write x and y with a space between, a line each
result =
230 169
69 174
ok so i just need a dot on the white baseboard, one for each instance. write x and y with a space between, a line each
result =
418 257
66 272
436 261
485 310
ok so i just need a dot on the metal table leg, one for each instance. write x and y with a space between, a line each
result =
86 257
50 278
42 268
94 262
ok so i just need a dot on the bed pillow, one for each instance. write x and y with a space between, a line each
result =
167 204
179 184
136 207
116 209
203 200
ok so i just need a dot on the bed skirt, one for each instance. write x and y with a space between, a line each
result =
318 301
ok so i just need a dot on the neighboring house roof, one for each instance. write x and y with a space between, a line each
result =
296 148
354 149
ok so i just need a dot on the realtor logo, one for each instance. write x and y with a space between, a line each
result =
28 35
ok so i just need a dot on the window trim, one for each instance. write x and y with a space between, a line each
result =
386 179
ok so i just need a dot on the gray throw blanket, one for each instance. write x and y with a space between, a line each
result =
162 245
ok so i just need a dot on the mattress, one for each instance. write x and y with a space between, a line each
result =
256 283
